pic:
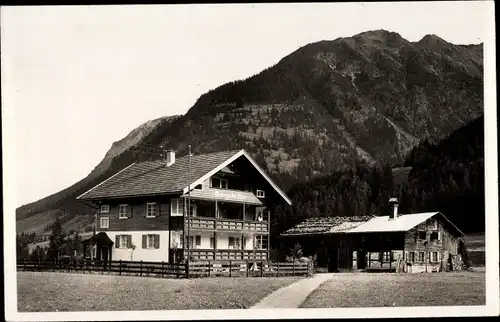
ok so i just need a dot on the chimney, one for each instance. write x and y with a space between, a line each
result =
394 203
170 157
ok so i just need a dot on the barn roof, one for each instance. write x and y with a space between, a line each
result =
325 225
362 224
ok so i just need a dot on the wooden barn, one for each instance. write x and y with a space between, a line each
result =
420 242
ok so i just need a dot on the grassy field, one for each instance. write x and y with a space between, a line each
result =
382 290
51 292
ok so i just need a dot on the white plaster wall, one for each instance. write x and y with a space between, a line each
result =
138 254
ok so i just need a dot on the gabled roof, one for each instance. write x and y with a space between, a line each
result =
155 178
401 223
362 224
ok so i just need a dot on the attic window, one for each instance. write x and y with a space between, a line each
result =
260 193
434 235
422 235
218 183
104 209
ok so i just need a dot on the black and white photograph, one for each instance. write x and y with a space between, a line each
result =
249 161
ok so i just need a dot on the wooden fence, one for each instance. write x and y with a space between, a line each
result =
135 268
169 270
249 268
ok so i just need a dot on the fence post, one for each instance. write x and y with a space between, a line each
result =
246 273
262 269
208 268
230 269
294 267
140 273
162 265
278 271
120 267
186 267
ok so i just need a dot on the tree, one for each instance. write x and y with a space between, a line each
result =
56 240
22 250
296 251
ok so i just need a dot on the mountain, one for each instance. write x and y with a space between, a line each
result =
447 177
325 107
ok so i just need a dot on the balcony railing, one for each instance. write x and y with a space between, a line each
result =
228 254
206 223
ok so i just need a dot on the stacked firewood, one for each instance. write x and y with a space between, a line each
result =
457 263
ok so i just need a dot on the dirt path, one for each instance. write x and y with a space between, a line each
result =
293 295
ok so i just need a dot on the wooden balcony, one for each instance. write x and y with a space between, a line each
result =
228 254
224 224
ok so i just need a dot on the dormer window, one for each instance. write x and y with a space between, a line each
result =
260 193
104 209
218 183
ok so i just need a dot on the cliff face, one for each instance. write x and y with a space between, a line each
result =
322 108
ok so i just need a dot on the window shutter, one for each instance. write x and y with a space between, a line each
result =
117 241
439 235
157 241
158 211
144 245
438 256
129 241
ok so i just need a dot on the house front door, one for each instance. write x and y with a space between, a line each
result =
104 253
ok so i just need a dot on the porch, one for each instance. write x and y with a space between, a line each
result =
98 247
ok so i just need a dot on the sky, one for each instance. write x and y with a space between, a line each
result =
77 79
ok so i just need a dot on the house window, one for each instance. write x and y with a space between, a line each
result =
194 241
259 214
234 243
243 243
212 242
420 256
218 183
434 257
122 241
260 193
123 211
412 257
199 187
104 209
386 256
104 222
422 235
151 241
151 210
434 235
176 207
181 240
261 241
